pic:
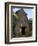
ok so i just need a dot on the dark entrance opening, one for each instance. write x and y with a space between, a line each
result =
23 30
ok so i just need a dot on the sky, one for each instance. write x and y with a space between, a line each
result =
28 11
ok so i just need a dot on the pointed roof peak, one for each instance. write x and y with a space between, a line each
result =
21 10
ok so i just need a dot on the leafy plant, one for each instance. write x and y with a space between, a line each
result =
15 17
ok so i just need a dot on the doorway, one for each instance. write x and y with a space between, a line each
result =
23 30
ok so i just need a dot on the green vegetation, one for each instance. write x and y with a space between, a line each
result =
30 23
15 17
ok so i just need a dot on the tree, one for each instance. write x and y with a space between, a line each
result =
30 23
15 17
